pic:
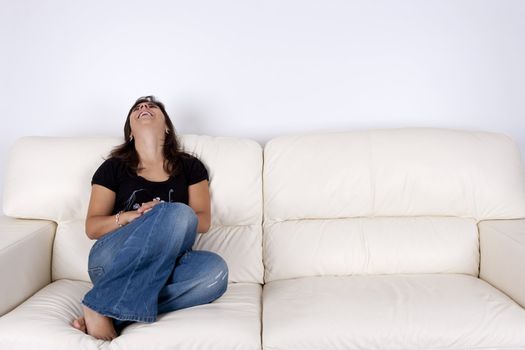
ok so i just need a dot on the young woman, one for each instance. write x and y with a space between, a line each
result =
148 201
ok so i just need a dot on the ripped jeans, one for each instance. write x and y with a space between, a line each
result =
148 267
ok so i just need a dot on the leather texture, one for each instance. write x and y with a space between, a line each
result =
369 241
319 247
398 172
395 312
385 201
65 167
503 256
62 188
238 245
43 323
25 259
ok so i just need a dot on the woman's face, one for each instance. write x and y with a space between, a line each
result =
147 116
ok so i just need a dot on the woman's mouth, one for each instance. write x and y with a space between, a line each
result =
145 115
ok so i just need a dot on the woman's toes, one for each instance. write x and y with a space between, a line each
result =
80 324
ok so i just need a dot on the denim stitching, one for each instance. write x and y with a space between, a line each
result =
118 316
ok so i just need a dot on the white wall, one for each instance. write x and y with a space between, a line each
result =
261 69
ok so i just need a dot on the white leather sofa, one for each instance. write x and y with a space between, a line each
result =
381 239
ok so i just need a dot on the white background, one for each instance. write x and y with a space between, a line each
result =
260 69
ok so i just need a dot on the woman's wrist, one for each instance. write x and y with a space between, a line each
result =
119 220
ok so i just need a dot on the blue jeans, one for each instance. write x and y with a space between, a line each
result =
148 267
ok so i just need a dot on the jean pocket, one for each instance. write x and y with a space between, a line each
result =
95 273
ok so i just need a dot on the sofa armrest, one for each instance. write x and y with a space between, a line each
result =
25 259
502 246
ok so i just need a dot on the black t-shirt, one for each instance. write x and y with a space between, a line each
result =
132 190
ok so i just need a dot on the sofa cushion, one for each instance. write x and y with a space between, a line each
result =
43 322
397 172
65 167
390 312
239 246
300 248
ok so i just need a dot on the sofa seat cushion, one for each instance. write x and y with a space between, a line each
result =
43 322
432 311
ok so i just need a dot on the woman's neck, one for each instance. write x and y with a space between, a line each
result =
150 151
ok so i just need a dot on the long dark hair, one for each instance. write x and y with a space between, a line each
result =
171 149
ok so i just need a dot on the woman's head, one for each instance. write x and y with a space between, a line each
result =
147 113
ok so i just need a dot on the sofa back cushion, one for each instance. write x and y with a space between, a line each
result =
50 178
385 201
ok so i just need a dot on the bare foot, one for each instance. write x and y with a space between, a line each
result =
98 326
80 324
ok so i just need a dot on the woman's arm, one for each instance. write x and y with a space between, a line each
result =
99 220
199 201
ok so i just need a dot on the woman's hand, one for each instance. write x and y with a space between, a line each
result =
128 216
100 221
145 207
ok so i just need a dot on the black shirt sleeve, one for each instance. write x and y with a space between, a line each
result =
107 175
195 171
